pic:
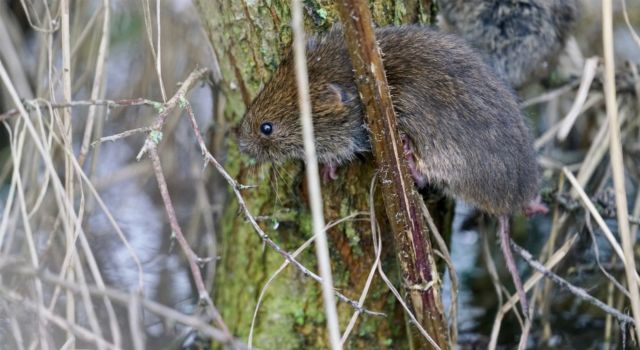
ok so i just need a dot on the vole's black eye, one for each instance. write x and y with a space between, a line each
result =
266 128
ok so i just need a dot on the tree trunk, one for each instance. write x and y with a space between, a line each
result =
248 38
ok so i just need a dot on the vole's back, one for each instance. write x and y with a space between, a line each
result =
465 127
465 124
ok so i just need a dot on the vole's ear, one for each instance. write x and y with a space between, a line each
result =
338 94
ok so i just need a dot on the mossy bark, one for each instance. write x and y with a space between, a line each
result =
248 38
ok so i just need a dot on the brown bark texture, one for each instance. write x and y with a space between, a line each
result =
248 38
402 202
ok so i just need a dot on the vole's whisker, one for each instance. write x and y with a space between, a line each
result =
274 174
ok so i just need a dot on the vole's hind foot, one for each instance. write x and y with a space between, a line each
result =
535 206
328 172
418 177
503 231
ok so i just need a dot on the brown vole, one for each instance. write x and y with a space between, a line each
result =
464 132
521 37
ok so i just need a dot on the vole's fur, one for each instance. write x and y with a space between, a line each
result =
466 131
521 38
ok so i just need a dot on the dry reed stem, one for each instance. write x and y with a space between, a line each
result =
61 199
634 35
99 83
90 259
548 135
549 95
589 72
124 299
603 226
617 163
312 172
66 131
146 10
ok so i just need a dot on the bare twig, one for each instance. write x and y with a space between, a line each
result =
107 103
192 258
122 135
577 291
178 99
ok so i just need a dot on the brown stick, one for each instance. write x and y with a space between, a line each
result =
400 199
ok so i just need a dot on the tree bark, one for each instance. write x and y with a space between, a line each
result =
248 38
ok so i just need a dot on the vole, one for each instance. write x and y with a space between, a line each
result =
521 38
461 125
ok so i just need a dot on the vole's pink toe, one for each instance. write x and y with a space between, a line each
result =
328 172
417 176
535 207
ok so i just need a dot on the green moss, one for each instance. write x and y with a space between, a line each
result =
400 11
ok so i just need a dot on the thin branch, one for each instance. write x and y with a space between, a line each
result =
603 226
178 99
192 258
122 135
577 291
38 103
